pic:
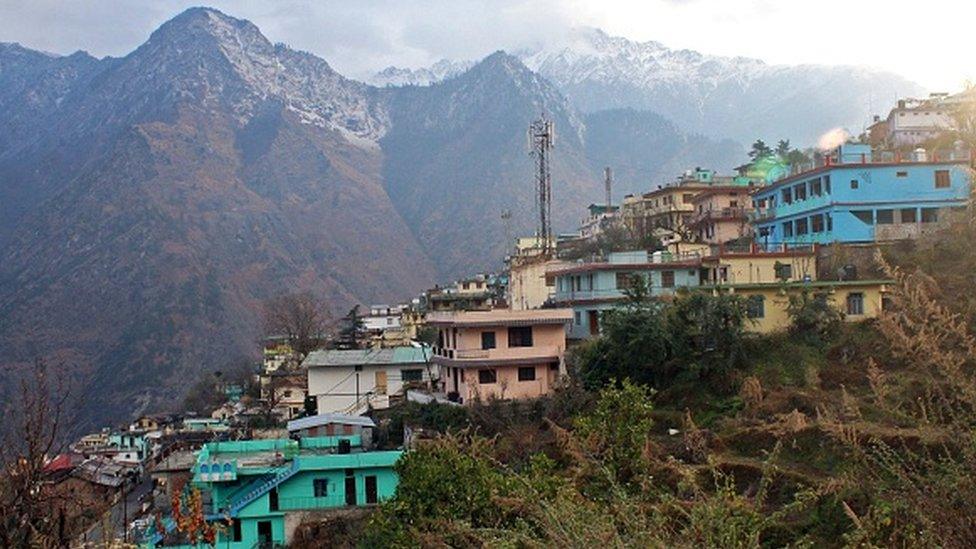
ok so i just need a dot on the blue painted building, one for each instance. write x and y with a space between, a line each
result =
593 287
856 198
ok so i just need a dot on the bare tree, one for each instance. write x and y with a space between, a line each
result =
31 434
302 318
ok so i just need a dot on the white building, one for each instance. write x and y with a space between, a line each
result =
351 381
915 121
383 317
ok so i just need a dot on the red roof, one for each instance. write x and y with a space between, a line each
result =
60 463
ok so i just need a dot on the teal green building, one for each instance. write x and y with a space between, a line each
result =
259 490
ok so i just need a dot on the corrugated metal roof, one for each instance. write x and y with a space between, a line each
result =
357 357
325 419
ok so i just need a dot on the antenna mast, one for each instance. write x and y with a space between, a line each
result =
608 182
542 136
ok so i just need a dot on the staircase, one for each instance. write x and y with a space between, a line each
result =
252 491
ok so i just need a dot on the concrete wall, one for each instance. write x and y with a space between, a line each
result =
335 387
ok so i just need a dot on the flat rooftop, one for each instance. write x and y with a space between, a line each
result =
500 317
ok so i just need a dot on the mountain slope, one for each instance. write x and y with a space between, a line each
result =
213 178
456 158
150 203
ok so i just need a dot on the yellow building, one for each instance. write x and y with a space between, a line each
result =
767 303
753 266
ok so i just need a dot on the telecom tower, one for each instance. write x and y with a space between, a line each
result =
542 136
608 182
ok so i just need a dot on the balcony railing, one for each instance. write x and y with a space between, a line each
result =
505 353
331 501
721 213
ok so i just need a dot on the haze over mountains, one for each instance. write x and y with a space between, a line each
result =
720 97
149 203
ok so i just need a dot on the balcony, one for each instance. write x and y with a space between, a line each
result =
587 295
719 214
331 501
502 354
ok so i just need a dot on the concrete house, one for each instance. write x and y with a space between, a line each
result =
501 354
351 381
265 488
855 197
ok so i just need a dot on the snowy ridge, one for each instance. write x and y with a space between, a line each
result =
424 76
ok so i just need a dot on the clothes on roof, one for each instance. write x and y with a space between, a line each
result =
358 357
327 419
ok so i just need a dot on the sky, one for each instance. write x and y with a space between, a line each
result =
930 42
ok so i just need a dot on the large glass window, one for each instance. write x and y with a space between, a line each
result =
526 373
866 216
800 192
756 306
801 226
520 336
885 217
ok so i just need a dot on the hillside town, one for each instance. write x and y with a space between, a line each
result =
309 432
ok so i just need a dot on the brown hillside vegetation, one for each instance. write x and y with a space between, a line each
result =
861 436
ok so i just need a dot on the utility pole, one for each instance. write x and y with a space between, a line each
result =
608 182
542 136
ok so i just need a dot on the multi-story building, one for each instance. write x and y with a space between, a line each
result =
721 214
754 265
593 287
528 285
600 217
670 206
351 381
259 490
285 391
502 354
470 294
383 317
767 303
914 121
854 198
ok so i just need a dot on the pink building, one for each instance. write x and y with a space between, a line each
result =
500 353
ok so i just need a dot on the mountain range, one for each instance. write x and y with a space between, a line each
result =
150 203
721 97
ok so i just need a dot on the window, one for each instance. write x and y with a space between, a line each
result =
855 304
788 229
885 217
235 530
487 340
815 188
733 203
801 226
520 336
941 179
854 183
526 373
816 223
414 374
901 174
787 196
687 198
577 317
487 376
783 271
625 280
826 181
864 215
287 393
800 192
908 215
320 486
756 306
667 279
830 222
930 215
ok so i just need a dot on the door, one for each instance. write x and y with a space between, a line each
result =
594 319
455 376
371 495
350 490
381 382
264 532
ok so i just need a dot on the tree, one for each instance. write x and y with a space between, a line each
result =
783 148
616 431
813 316
302 318
760 150
31 435
352 330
